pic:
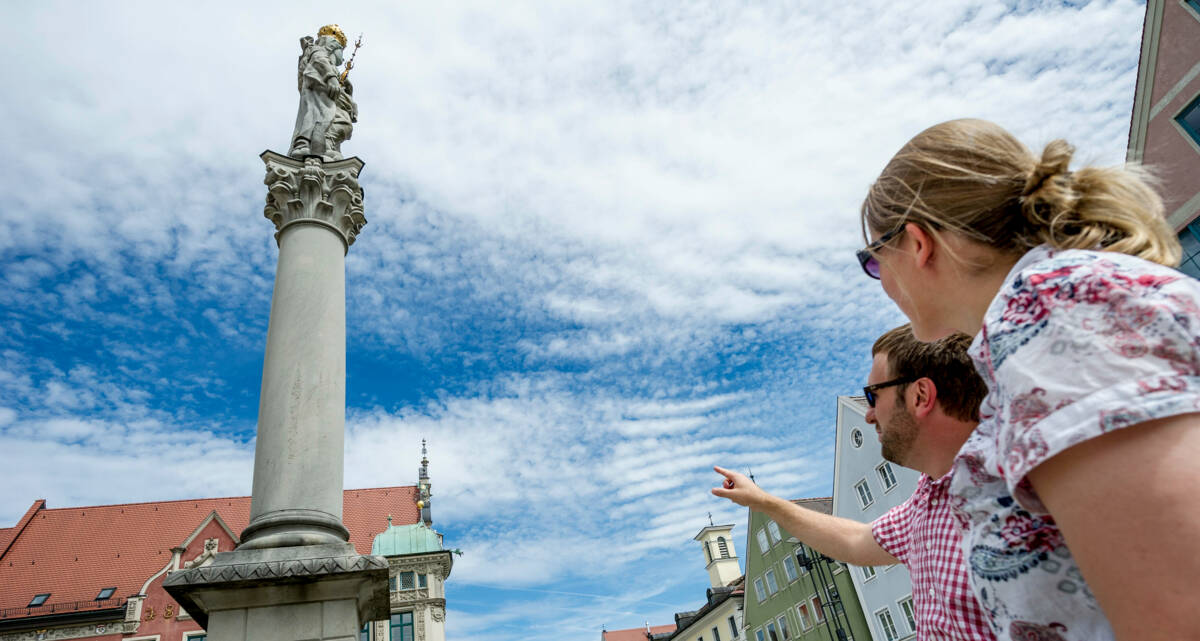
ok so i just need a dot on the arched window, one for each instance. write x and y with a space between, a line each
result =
708 551
723 547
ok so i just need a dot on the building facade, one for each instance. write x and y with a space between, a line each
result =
720 617
97 572
1164 131
793 592
865 486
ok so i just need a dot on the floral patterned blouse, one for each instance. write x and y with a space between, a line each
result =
1076 344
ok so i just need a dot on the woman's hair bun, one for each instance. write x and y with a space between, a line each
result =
1056 158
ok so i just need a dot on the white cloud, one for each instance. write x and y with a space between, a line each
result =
613 243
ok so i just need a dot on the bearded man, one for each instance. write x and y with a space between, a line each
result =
924 401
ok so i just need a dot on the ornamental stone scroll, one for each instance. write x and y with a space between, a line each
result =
315 192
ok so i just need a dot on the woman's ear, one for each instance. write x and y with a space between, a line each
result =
920 243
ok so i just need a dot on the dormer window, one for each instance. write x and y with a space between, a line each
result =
105 593
38 600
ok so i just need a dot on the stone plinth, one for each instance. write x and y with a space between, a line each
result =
320 592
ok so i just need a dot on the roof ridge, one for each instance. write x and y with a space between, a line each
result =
16 530
210 498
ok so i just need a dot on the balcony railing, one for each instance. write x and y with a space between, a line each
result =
59 608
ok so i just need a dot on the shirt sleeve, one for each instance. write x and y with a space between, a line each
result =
891 531
1083 352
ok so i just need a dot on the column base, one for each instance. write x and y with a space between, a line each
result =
316 592
285 528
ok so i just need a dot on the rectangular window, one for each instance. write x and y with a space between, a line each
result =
733 631
401 626
422 582
799 553
408 580
802 613
759 591
910 613
392 583
758 634
868 572
887 625
38 599
763 546
817 609
106 593
783 629
197 637
772 633
864 493
716 634
365 633
1189 120
789 568
836 604
773 528
772 586
886 476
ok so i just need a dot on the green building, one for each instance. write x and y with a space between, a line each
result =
794 593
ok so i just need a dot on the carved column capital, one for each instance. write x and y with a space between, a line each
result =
311 191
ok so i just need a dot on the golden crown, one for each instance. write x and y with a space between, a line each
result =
333 30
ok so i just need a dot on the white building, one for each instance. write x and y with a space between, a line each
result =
865 487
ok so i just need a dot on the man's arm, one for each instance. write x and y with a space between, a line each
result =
843 539
1128 505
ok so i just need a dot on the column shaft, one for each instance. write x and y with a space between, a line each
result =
298 459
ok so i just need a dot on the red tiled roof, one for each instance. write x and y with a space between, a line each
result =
74 552
637 634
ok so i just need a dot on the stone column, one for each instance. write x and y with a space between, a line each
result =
297 496
294 576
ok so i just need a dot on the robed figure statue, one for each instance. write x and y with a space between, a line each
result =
327 108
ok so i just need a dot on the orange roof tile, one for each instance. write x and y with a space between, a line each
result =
637 634
74 552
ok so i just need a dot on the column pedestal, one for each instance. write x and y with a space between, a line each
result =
313 592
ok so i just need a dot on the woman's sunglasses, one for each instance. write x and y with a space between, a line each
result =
866 255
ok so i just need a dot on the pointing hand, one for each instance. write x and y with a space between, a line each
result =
739 489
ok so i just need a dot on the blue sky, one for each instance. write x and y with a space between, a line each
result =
609 245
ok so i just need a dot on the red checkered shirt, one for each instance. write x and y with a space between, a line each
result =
924 535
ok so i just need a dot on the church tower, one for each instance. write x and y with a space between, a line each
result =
716 542
418 566
423 487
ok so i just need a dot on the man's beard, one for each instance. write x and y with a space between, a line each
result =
896 439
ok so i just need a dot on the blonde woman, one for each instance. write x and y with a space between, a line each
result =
1079 492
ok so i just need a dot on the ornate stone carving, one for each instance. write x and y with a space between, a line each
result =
439 614
312 191
274 570
69 632
327 109
205 557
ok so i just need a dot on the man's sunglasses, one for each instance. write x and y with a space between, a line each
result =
866 255
869 391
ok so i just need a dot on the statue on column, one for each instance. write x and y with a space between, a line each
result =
327 108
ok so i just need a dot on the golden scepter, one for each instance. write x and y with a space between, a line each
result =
350 62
